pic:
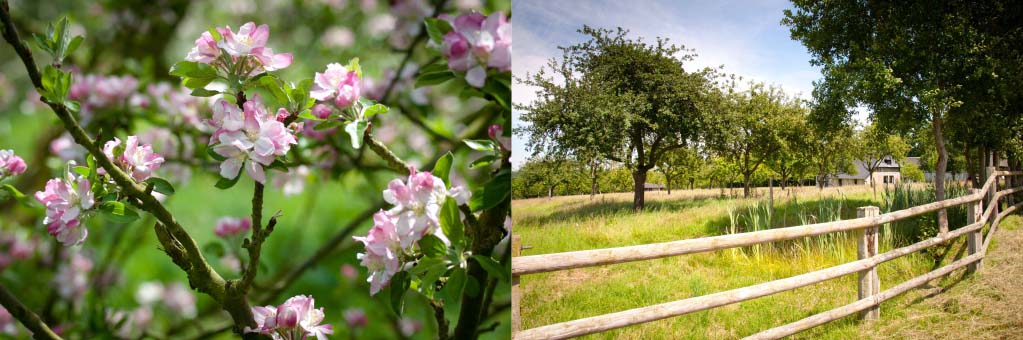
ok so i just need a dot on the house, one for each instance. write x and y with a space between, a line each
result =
887 172
958 176
653 187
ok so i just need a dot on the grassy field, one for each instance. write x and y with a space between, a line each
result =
577 223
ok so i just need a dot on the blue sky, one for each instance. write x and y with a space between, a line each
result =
745 36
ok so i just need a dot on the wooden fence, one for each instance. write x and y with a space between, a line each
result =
870 296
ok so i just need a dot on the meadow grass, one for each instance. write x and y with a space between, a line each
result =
578 223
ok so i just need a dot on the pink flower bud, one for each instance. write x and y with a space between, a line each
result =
321 111
11 164
495 131
282 114
287 317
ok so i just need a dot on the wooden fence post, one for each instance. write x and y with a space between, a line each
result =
991 194
973 240
870 283
516 293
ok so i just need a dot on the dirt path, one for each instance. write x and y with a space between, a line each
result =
987 306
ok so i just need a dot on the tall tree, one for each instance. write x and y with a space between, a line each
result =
874 146
632 100
676 163
792 158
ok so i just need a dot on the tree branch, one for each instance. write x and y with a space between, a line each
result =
23 314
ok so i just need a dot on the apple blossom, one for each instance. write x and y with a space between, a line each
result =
95 92
72 278
383 249
297 318
66 149
292 182
179 299
10 164
8 325
417 205
337 83
349 272
138 160
66 201
476 43
356 318
251 137
230 226
247 47
409 326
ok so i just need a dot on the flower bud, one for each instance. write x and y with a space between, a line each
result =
287 317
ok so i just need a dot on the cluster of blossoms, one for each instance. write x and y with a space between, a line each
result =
94 92
245 50
476 43
249 137
72 278
66 149
178 104
297 318
176 297
231 226
337 83
16 246
10 164
66 201
137 160
415 214
409 15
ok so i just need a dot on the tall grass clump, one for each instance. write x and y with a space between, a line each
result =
903 196
760 215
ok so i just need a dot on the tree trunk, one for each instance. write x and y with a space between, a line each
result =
550 192
638 190
593 182
939 171
746 178
668 179
691 180
873 183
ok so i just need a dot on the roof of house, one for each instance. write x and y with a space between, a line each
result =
887 165
653 186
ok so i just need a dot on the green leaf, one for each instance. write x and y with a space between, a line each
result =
482 161
81 170
197 83
308 114
433 78
17 195
437 28
214 154
118 212
452 290
327 125
356 129
214 33
496 190
472 286
432 246
272 85
183 68
353 65
161 185
442 168
493 267
451 222
300 94
200 92
374 109
485 145
62 39
278 165
435 67
396 291
43 43
225 183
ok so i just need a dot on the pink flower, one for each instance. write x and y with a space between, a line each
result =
416 206
257 137
292 182
249 38
72 278
478 42
205 50
349 271
230 226
66 148
321 111
179 299
296 319
138 160
66 200
10 164
7 323
409 326
337 82
382 251
355 318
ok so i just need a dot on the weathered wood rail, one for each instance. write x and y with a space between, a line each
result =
868 221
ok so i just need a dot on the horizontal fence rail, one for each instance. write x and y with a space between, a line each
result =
870 295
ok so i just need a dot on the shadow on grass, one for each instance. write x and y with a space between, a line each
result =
600 207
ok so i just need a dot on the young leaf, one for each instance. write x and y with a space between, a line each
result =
492 267
432 246
482 161
81 170
201 92
434 78
356 129
437 28
327 125
17 195
496 190
161 185
451 222
183 68
399 284
374 109
118 212
484 145
225 183
442 168
214 155
452 290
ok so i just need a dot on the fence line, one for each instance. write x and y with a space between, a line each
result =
870 295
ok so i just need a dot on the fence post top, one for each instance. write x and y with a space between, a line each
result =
868 211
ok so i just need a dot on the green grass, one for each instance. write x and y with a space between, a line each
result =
577 223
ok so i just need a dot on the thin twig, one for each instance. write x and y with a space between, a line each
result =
31 321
